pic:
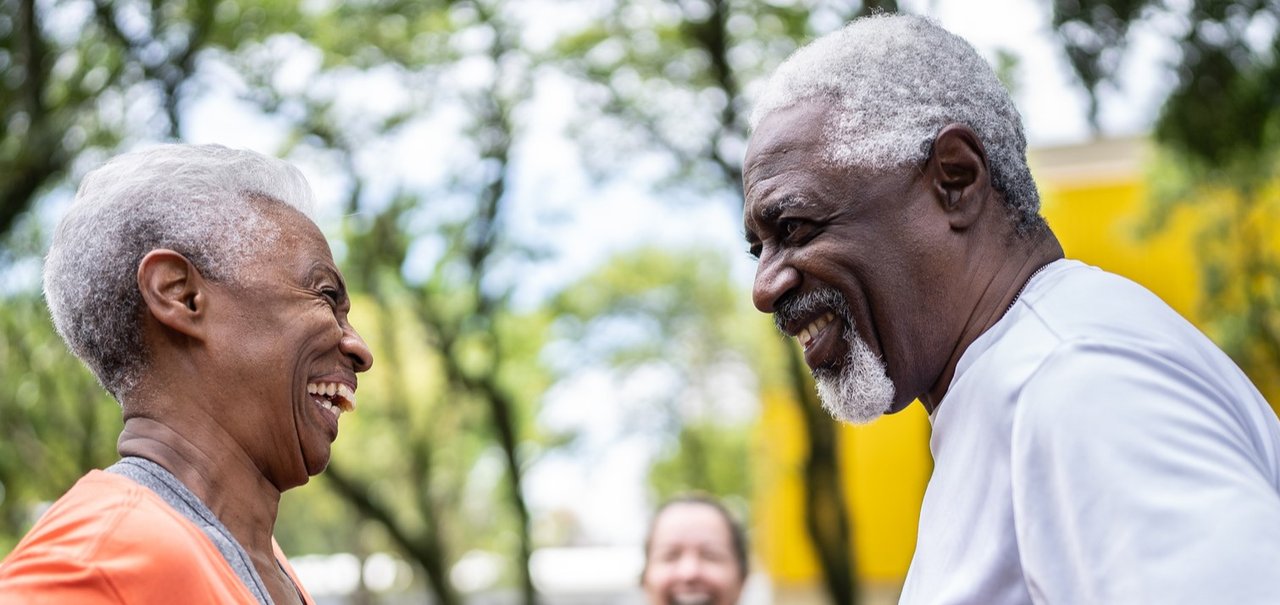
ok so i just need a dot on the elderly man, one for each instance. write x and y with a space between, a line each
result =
1090 445
190 280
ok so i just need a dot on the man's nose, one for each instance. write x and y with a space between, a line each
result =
774 278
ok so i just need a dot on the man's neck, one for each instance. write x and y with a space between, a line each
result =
995 295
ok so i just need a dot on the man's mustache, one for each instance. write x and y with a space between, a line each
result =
797 307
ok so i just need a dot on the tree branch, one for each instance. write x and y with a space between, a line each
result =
421 548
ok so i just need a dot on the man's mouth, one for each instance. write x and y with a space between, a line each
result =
333 397
817 320
809 332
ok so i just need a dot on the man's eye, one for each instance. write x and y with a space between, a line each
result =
789 228
754 251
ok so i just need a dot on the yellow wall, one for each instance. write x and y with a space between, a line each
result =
886 465
778 536
1093 197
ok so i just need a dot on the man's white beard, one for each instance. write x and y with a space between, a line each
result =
860 391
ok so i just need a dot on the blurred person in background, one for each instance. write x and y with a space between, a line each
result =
694 554
1090 445
192 282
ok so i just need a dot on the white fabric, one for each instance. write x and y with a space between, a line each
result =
1094 447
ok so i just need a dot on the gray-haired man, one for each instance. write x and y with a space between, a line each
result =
1090 445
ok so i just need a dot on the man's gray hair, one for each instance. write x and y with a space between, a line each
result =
894 82
205 202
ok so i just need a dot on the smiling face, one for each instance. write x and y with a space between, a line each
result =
852 263
283 330
690 558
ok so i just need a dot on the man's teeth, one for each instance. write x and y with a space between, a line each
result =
807 335
333 396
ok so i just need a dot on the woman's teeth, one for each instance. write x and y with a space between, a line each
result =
333 396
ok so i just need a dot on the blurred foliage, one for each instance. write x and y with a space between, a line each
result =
1219 139
55 420
708 457
673 77
671 80
694 314
653 313
432 463
81 77
1222 113
461 375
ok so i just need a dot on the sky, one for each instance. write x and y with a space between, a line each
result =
605 482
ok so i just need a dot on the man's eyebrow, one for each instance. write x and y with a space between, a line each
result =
773 209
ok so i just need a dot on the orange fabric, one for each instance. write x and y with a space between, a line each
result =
110 540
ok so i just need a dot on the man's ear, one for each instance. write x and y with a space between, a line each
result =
958 174
173 291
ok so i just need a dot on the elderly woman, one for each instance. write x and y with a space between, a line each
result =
191 281
695 554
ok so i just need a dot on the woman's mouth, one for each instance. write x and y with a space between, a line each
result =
333 397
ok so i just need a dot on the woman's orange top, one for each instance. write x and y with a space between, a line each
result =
110 540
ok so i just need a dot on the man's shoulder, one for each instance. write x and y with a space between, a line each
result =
1100 346
109 539
1076 300
1080 310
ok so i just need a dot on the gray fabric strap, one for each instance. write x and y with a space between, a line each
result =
154 477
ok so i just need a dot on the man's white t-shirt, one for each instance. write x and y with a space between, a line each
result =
1094 447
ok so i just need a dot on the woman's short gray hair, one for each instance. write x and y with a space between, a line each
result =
205 202
894 82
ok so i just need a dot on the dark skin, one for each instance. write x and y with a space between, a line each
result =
223 404
926 256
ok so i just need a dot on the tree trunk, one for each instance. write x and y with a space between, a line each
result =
826 515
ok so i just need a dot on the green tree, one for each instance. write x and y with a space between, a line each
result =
683 322
1219 133
459 375
481 354
81 76
120 71
673 79
57 421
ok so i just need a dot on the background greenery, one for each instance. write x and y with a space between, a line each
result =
433 465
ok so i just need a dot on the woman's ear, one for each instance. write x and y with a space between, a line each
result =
958 171
173 291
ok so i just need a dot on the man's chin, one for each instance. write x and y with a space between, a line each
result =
854 400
